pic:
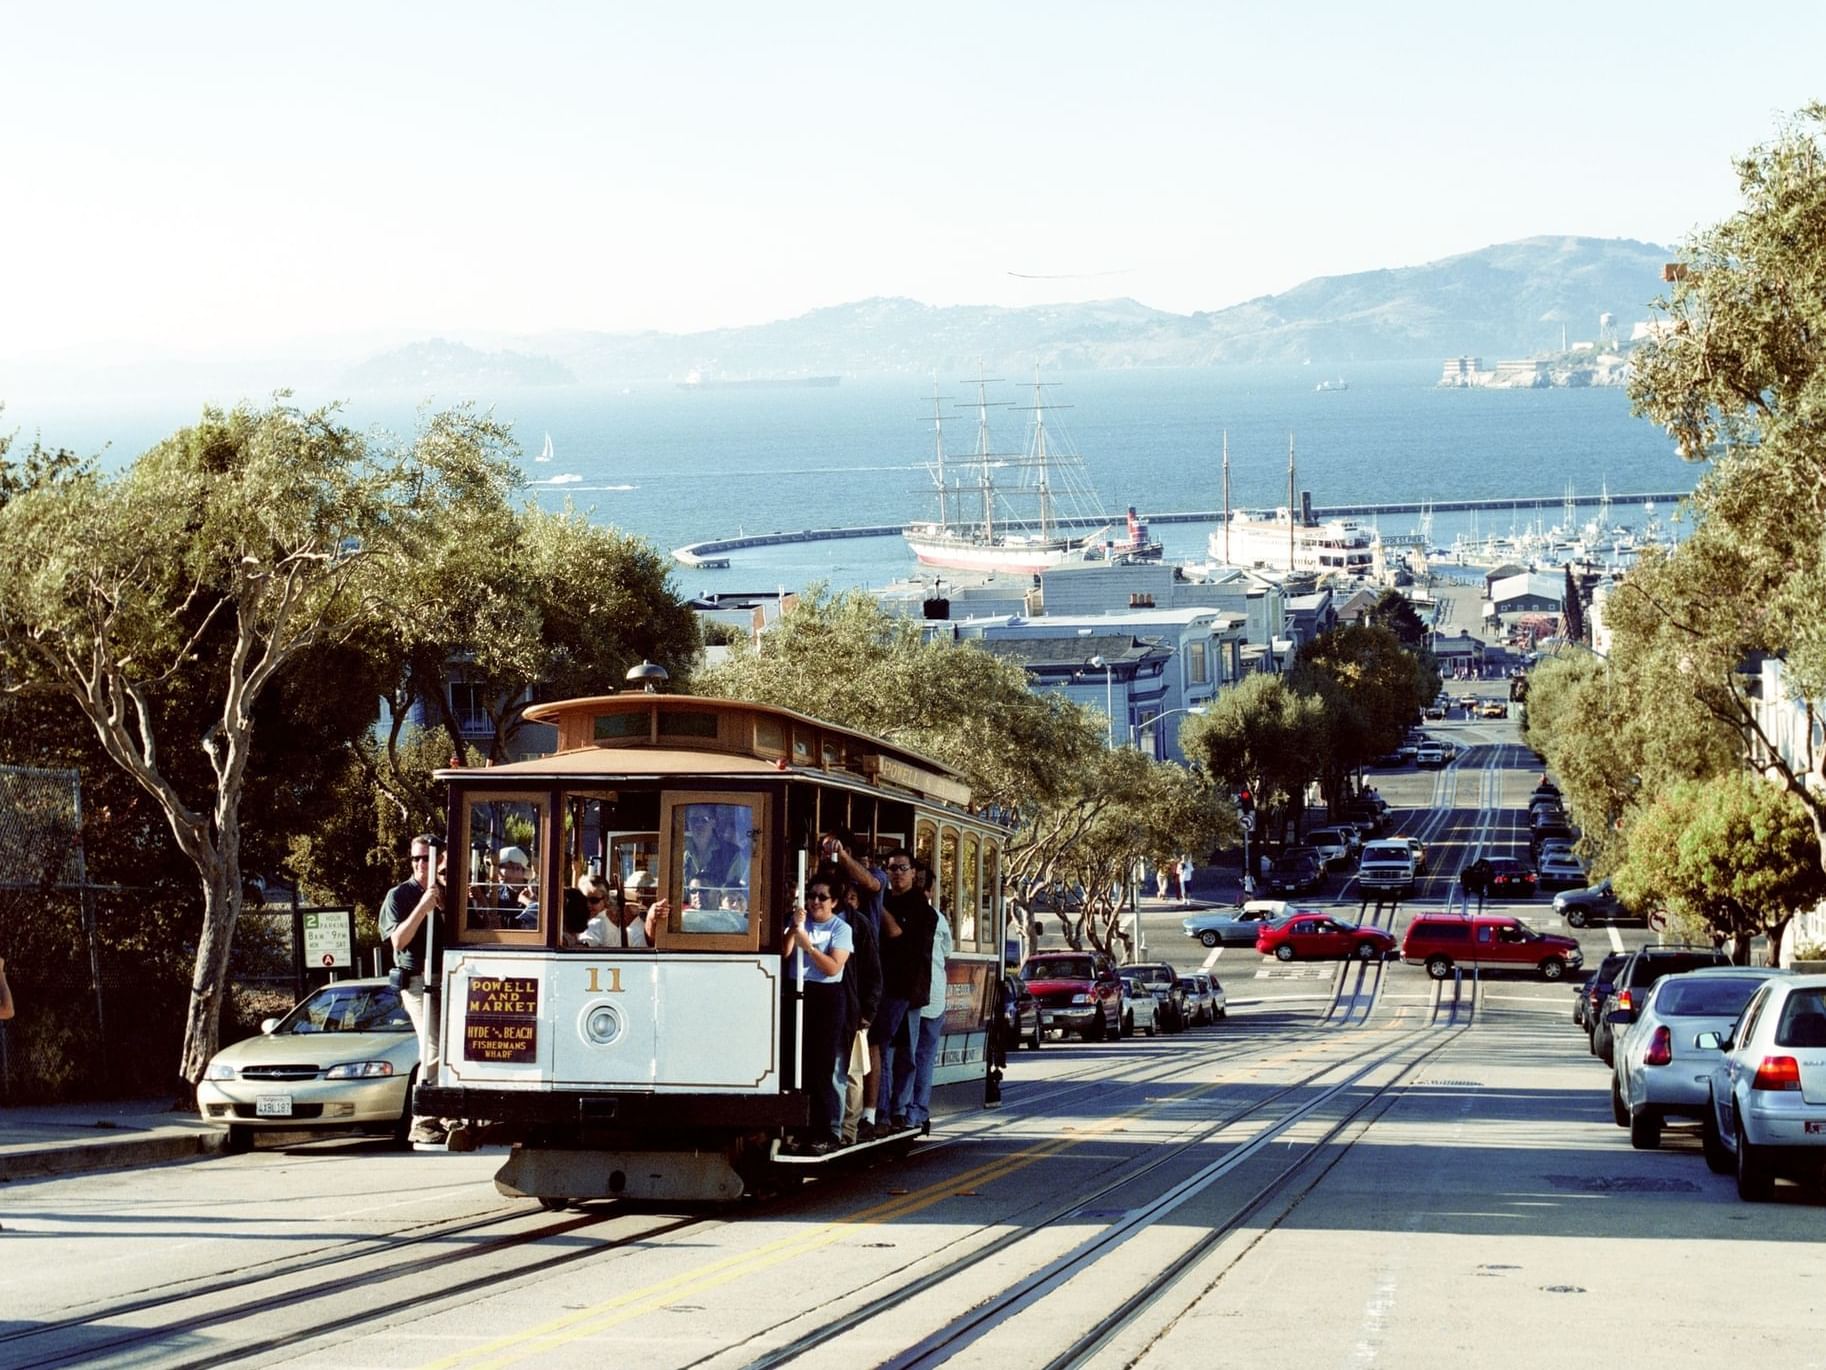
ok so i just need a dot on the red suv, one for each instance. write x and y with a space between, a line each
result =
1077 992
1440 941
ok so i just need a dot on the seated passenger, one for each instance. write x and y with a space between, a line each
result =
708 910
576 919
615 921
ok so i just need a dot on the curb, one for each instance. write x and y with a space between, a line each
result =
27 1162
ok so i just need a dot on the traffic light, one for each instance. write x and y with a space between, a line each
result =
1245 802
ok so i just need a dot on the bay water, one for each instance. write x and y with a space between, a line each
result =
679 465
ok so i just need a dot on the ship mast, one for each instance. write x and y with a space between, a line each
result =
987 485
1226 497
1039 452
1291 507
938 456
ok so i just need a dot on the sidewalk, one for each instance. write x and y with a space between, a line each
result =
66 1139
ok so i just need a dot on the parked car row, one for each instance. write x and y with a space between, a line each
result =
1085 993
1738 1050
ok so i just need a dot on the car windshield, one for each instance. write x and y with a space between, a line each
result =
1057 968
1153 975
348 1008
1687 997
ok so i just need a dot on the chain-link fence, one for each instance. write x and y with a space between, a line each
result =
101 973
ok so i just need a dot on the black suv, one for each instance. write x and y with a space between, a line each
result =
1630 990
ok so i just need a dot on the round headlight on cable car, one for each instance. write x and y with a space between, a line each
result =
601 1024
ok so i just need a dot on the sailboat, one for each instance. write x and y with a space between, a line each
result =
545 453
1014 526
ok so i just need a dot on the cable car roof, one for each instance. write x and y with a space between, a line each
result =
692 734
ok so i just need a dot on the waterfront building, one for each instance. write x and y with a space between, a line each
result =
1528 592
1146 668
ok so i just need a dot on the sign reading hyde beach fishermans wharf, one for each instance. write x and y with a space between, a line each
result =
502 1018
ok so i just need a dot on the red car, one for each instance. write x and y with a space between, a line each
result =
1316 937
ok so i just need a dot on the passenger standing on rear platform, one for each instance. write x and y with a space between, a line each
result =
823 943
931 1019
908 924
863 976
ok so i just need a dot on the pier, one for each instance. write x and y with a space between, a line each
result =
713 553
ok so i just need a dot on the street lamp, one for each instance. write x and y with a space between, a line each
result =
1135 728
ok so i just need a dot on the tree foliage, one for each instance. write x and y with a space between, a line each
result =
1738 378
1084 816
521 605
1732 854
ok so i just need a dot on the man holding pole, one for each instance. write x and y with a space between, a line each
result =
405 918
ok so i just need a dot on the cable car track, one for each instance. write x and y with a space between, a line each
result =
958 1334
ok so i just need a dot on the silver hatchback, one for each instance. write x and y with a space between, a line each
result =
1658 1072
1768 1090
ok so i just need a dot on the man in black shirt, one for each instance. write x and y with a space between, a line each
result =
405 915
908 922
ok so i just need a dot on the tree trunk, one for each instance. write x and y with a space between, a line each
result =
209 978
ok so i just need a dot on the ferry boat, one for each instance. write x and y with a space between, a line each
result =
1282 540
1014 512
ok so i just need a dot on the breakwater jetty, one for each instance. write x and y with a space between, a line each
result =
713 553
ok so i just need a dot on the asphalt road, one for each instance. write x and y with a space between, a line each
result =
1358 1167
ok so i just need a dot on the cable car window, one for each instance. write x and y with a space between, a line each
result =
925 840
696 723
769 736
504 839
968 900
623 727
713 844
945 896
989 894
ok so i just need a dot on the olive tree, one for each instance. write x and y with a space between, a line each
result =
272 530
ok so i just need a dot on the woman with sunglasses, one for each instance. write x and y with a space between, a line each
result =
614 920
822 942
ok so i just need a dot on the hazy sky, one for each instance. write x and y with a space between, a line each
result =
206 176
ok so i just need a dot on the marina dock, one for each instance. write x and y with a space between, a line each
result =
713 553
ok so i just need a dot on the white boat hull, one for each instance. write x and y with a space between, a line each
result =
964 554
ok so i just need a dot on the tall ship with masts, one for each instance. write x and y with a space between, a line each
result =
1290 538
1019 512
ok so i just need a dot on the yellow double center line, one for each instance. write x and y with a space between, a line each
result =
613 1312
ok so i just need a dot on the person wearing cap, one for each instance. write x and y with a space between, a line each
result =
514 895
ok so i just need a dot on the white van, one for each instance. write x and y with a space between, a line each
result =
1387 865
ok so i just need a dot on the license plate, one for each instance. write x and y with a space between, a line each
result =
1813 1127
273 1106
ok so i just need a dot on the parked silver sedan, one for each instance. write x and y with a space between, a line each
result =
1658 1072
1140 1010
1768 1090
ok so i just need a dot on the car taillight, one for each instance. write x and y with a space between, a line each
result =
1660 1048
1777 1072
1624 1001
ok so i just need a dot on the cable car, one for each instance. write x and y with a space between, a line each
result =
673 1071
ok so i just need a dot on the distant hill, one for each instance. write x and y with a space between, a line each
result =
1510 300
453 364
